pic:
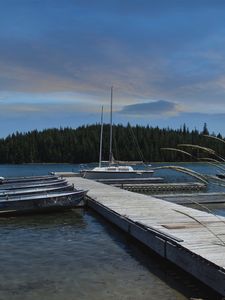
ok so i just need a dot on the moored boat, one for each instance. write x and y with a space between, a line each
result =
25 185
115 169
27 179
116 172
32 191
41 203
19 195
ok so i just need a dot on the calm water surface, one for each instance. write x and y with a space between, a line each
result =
78 255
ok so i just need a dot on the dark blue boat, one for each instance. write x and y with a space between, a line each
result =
27 179
41 202
34 194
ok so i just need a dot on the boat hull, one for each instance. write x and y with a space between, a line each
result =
91 174
34 191
28 185
41 203
11 180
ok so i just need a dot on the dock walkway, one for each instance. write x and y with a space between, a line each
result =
191 239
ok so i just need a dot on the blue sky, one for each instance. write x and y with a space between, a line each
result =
165 59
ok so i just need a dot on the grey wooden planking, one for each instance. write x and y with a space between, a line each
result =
192 239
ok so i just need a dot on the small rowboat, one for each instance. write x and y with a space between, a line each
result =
32 191
41 202
27 179
49 183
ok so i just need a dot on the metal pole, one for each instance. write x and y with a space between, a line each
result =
101 135
110 141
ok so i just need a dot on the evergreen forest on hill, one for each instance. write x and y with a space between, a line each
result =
81 145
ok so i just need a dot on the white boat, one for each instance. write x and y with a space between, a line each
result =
116 172
113 171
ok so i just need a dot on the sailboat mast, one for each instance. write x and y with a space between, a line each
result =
110 141
100 146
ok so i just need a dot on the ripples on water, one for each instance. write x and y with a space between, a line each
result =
78 255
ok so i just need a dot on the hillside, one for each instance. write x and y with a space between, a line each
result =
81 145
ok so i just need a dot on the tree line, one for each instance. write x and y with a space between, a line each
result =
81 145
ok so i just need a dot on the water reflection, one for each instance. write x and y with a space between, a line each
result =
174 278
45 220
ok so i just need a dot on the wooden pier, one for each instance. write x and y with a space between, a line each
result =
191 239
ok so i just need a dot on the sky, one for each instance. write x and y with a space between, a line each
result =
164 59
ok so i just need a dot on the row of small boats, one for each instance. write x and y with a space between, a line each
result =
19 195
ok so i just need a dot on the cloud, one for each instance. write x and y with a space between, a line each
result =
24 117
62 110
140 46
153 108
2 98
145 49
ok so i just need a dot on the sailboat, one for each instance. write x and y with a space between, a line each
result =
113 171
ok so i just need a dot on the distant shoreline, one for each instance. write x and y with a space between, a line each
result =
57 163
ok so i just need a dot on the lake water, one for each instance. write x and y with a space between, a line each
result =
79 255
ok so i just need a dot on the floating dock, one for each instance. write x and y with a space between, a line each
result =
162 187
122 181
152 184
189 238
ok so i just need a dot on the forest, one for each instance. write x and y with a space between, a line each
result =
81 145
